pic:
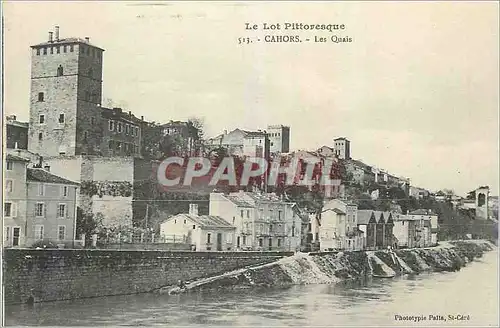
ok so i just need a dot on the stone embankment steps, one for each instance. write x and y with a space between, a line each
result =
333 267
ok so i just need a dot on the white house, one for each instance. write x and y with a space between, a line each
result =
339 227
202 232
262 221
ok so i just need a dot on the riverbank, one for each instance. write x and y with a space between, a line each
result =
335 267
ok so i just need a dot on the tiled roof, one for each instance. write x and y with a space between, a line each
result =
107 112
16 158
18 124
206 221
364 216
420 212
65 41
238 201
41 175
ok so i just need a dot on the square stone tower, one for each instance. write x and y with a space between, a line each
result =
65 97
342 148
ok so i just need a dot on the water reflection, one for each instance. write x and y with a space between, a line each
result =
366 302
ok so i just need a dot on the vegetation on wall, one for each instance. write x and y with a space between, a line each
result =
108 188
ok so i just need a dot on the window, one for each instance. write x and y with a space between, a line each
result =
260 242
38 231
41 189
58 49
279 215
39 210
44 51
7 210
7 234
241 213
51 50
119 127
38 51
65 48
40 96
8 185
208 238
41 118
136 131
92 120
60 71
248 213
270 228
293 231
71 48
279 242
111 125
127 128
9 166
40 136
85 134
61 232
61 211
194 227
110 144
61 118
65 191
244 240
184 221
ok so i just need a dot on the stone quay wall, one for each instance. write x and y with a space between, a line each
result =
53 275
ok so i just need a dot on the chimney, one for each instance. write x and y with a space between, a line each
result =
193 209
50 37
57 33
87 39
142 118
130 113
40 162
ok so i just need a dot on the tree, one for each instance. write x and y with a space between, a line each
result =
195 131
87 223
151 138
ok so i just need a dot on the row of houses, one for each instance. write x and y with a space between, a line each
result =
340 225
38 205
254 221
238 221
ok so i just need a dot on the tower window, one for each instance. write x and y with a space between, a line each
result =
61 118
44 51
40 96
60 71
40 136
58 49
38 51
111 125
41 119
127 128
136 131
65 48
119 128
71 48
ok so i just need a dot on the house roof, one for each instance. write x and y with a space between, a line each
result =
205 221
420 211
16 158
364 216
118 112
238 201
41 175
24 125
65 41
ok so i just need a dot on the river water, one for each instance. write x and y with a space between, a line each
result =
471 292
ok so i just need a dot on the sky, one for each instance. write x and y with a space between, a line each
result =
416 91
